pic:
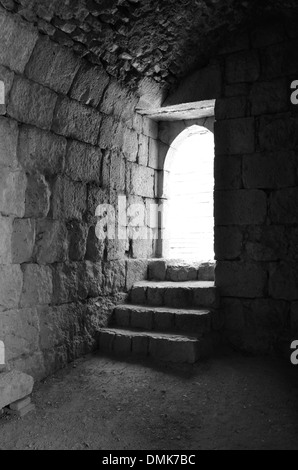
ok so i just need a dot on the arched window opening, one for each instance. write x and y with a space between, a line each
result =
189 189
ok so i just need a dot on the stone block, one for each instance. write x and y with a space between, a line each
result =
267 35
174 349
267 243
283 281
227 172
37 197
130 145
283 206
241 207
181 273
6 76
12 192
14 386
22 412
235 136
136 270
117 173
90 280
139 295
143 150
95 248
236 279
89 85
140 345
122 344
18 40
37 286
41 151
242 67
77 240
294 316
269 97
111 133
267 315
20 331
142 319
142 181
118 101
23 240
20 404
279 60
83 162
31 103
10 286
72 119
69 199
5 240
234 314
8 142
278 133
228 243
270 170
157 270
206 272
153 161
114 277
65 283
52 65
231 108
51 242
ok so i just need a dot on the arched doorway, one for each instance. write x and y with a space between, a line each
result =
189 187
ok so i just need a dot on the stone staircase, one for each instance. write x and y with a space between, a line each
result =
169 317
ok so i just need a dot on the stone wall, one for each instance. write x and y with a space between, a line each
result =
69 140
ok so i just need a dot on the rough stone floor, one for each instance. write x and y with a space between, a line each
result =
230 402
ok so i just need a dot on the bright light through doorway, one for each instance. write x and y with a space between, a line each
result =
190 218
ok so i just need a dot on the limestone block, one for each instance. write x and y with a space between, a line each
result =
130 145
178 272
10 286
5 240
18 40
270 170
65 283
283 281
14 386
52 65
227 172
142 181
267 243
89 85
118 101
23 240
242 67
12 192
90 280
267 315
51 242
143 151
41 151
157 270
111 133
77 240
231 108
8 142
136 270
72 119
6 76
37 197
278 133
96 196
31 103
269 97
235 136
283 206
241 207
153 161
234 315
37 286
117 180
95 248
236 279
69 199
83 162
228 243
20 332
114 277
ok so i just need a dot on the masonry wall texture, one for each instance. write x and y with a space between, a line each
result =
69 140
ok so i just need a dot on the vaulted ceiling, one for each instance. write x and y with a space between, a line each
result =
161 39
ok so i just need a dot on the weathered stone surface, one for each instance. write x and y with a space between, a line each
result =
130 145
143 151
14 386
72 119
136 270
18 40
37 197
6 76
153 161
77 240
20 332
142 181
270 170
95 248
37 286
228 243
51 242
231 108
40 151
283 206
23 239
5 240
118 101
157 270
242 67
240 207
235 279
227 172
234 137
114 277
111 133
65 283
267 35
8 142
267 243
283 281
269 97
10 286
83 162
31 103
278 133
52 65
177 272
89 85
69 199
12 192
117 172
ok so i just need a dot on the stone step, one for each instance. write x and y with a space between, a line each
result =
179 271
192 294
160 346
197 322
